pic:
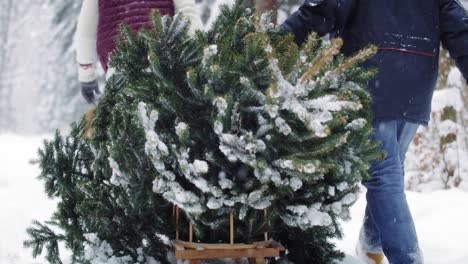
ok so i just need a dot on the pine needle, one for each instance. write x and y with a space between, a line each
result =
88 127
361 56
326 57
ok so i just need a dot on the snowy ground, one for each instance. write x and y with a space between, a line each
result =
441 217
21 197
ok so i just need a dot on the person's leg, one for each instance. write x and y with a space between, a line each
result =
386 200
406 132
369 236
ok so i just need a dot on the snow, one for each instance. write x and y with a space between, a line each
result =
223 182
209 52
283 127
21 197
181 129
438 157
200 167
295 183
306 216
214 203
332 104
342 186
357 124
101 252
117 178
440 216
447 97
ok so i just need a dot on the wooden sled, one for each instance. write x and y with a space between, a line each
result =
195 252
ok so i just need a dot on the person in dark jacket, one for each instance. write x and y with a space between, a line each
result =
408 34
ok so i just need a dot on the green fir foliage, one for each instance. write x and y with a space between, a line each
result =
238 119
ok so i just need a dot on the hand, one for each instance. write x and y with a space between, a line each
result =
88 90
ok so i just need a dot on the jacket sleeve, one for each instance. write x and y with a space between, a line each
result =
86 35
321 16
189 9
454 32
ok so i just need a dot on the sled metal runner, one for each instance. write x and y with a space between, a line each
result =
195 252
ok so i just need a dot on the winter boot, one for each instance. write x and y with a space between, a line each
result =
363 252
370 254
377 258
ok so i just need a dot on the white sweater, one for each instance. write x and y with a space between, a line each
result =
87 33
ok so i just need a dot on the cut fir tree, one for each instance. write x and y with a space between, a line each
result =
234 120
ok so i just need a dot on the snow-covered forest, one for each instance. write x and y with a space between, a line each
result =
40 93
38 83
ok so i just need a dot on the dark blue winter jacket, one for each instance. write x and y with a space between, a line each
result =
408 34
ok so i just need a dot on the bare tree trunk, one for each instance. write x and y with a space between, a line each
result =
263 6
6 9
5 15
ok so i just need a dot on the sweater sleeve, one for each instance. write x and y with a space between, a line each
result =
86 40
454 32
190 10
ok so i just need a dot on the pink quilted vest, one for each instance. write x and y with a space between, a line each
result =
133 12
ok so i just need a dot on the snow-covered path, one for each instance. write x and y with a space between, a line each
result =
441 217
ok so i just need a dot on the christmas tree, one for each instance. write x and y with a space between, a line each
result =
235 120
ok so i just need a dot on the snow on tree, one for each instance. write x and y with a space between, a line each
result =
438 156
22 59
234 120
60 95
34 90
6 108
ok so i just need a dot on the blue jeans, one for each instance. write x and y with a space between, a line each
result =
388 225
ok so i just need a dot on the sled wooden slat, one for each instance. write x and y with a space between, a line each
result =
269 244
257 261
256 252
195 252
227 253
189 245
